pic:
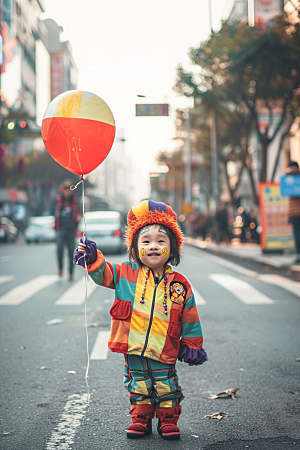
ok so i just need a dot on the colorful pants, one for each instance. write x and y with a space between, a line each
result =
151 382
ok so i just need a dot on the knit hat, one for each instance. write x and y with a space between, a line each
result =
150 212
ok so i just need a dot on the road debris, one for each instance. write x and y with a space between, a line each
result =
227 393
8 432
44 368
54 321
71 371
217 415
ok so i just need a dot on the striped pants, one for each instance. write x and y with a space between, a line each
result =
151 382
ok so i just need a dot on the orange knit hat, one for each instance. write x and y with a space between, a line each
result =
150 212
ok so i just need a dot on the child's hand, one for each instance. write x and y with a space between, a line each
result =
81 248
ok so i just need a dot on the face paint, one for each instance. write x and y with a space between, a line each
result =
142 252
162 230
165 251
144 230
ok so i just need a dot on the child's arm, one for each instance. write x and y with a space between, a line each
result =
101 271
191 350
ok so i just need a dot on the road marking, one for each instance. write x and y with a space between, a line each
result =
63 434
75 295
5 258
198 297
6 278
100 348
278 280
26 290
228 264
242 290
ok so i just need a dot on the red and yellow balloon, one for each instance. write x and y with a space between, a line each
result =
78 130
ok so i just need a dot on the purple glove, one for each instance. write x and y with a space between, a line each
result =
90 254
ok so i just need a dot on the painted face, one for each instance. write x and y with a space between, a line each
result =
156 244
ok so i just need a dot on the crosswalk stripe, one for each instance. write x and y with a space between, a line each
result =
75 295
63 435
21 293
198 297
241 289
6 278
100 348
278 280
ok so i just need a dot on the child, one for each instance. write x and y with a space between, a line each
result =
154 315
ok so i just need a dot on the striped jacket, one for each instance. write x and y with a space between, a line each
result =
143 328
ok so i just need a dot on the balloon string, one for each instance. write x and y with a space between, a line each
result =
86 276
85 302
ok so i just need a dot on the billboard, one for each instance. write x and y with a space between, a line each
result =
266 10
277 233
57 74
152 109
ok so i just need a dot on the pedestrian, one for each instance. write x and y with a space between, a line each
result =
154 316
67 216
222 224
293 209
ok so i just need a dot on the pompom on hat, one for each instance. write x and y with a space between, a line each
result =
150 212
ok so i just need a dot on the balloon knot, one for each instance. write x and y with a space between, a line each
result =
82 177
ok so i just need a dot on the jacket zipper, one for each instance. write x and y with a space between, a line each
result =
151 317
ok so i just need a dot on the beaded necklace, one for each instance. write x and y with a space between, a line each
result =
156 283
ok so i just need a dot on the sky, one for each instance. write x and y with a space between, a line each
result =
125 48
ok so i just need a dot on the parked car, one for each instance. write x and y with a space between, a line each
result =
106 228
40 228
8 231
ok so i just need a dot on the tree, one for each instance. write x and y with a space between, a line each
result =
242 71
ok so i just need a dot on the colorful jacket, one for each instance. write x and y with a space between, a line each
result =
143 328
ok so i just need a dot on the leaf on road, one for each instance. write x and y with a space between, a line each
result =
54 321
295 392
23 347
217 415
227 393
298 359
8 432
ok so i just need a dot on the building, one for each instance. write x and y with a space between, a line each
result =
63 68
113 178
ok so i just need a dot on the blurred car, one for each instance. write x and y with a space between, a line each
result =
40 228
8 231
106 228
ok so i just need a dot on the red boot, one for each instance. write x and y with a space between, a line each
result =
141 416
167 422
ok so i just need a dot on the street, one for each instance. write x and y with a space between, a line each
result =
250 322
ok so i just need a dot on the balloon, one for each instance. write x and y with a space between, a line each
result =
78 130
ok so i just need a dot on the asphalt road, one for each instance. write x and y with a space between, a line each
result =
250 320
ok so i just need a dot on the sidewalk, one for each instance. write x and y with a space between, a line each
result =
249 251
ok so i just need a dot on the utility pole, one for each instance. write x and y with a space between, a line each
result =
188 161
214 145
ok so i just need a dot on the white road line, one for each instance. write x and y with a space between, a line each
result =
63 434
223 262
5 258
26 290
230 265
6 278
100 348
198 297
278 280
75 295
242 290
